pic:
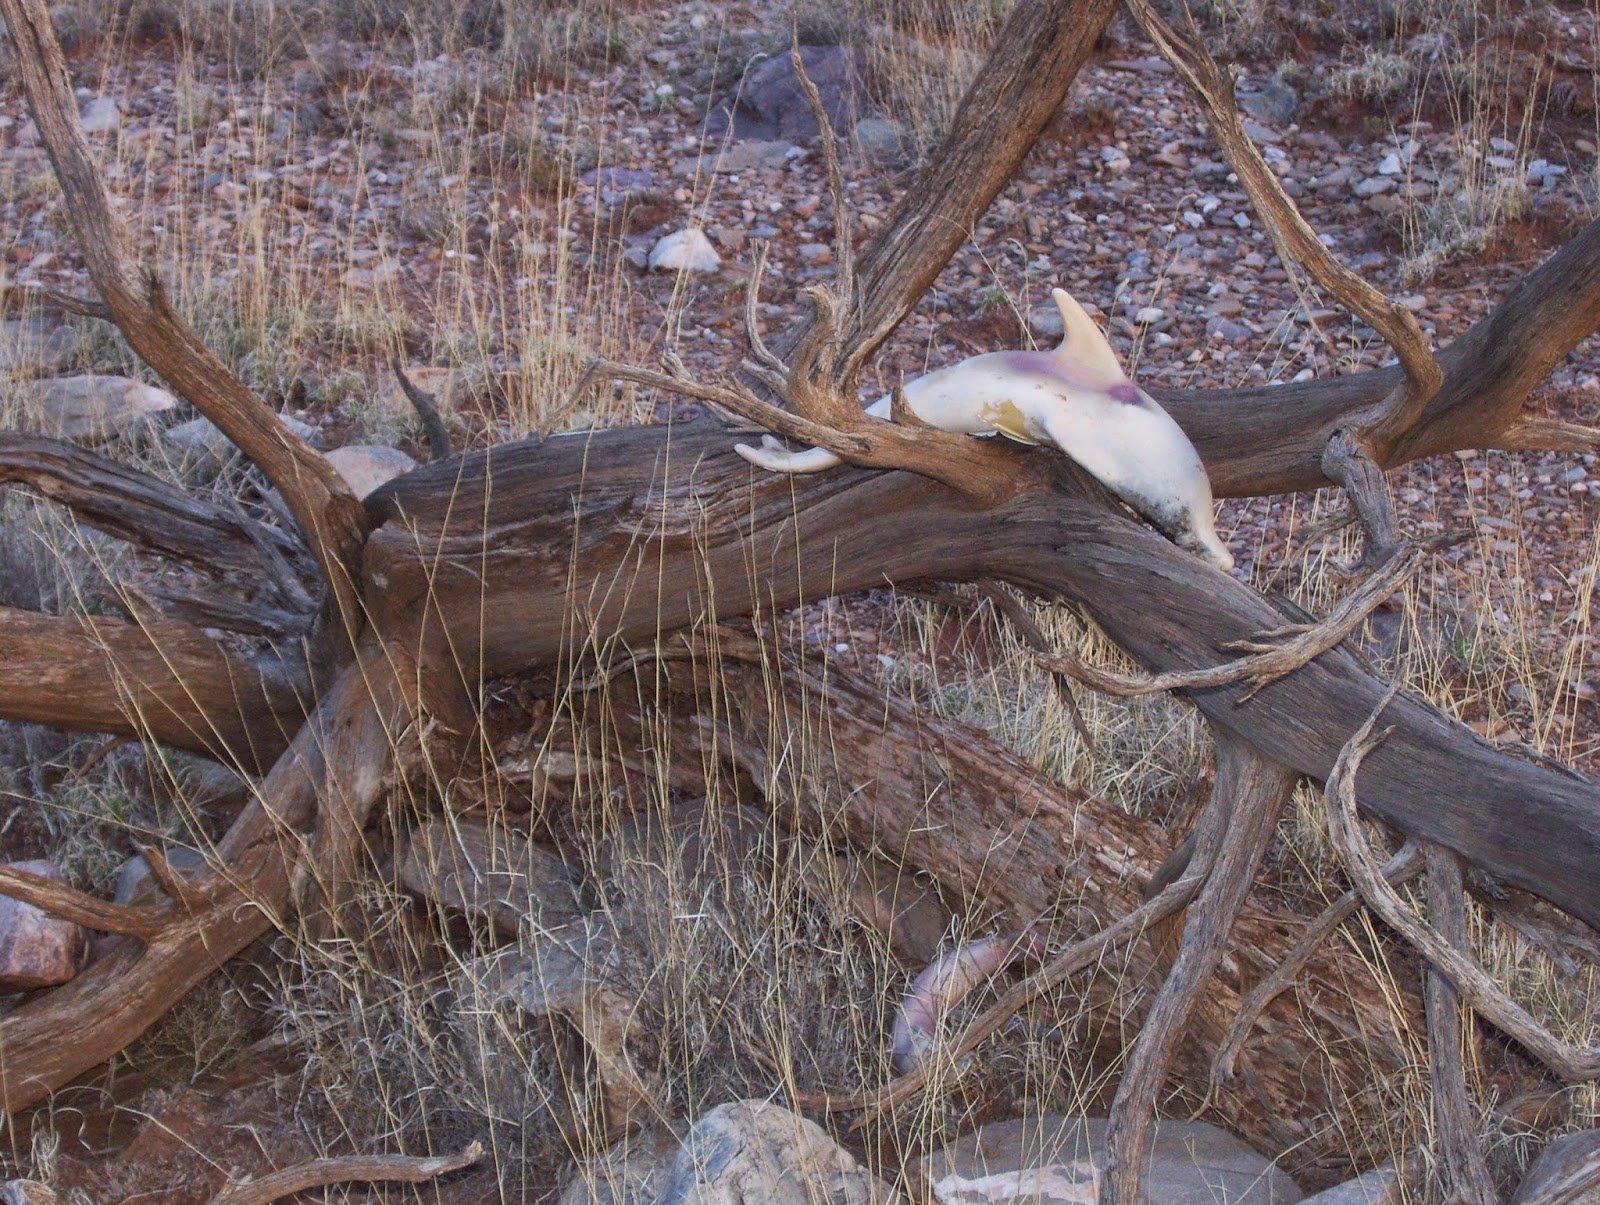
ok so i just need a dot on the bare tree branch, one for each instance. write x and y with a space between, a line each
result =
330 517
320 1173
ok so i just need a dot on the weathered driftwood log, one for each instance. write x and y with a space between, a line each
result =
850 767
525 555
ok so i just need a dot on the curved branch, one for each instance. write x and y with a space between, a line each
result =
1572 1063
329 515
58 899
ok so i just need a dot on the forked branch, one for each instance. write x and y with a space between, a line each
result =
1293 236
1477 988
330 517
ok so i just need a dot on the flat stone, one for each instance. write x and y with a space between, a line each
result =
1391 165
37 949
1567 1170
93 409
442 384
685 251
1055 1160
491 872
1374 185
743 157
1381 1186
32 347
815 254
755 1151
367 466
1045 323
1273 100
630 1173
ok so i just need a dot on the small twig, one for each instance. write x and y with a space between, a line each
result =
1013 612
427 408
1265 663
1455 1122
83 307
1478 989
1070 961
1402 868
131 920
765 359
319 1173
844 243
1296 241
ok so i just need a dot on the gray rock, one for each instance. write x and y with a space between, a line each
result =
883 143
1391 165
630 1173
769 104
754 1151
1274 100
1045 323
135 885
1568 1170
201 441
685 251
1373 186
743 157
494 873
102 115
37 949
1381 1186
815 255
1054 1160
1227 329
1114 160
31 347
93 409
367 466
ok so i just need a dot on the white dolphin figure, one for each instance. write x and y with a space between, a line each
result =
1076 399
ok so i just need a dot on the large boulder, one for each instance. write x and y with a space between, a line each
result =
751 1151
94 409
769 104
1054 1160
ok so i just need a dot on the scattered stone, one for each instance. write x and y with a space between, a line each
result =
1045 323
1114 160
494 873
1381 1186
617 184
94 409
367 466
1273 100
135 885
1149 315
740 157
756 1151
37 949
685 251
102 115
815 255
1055 1161
1391 165
1227 330
769 104
1567 1170
32 347
883 143
442 384
1374 185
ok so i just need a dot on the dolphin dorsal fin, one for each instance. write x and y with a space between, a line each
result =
1083 346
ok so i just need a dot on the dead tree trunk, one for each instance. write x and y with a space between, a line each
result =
535 556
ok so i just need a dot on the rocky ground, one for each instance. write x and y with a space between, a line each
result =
321 203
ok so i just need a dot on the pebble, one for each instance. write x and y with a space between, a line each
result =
685 251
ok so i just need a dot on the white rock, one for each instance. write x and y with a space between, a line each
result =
1373 185
1149 314
1115 161
685 251
95 408
367 466
102 115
